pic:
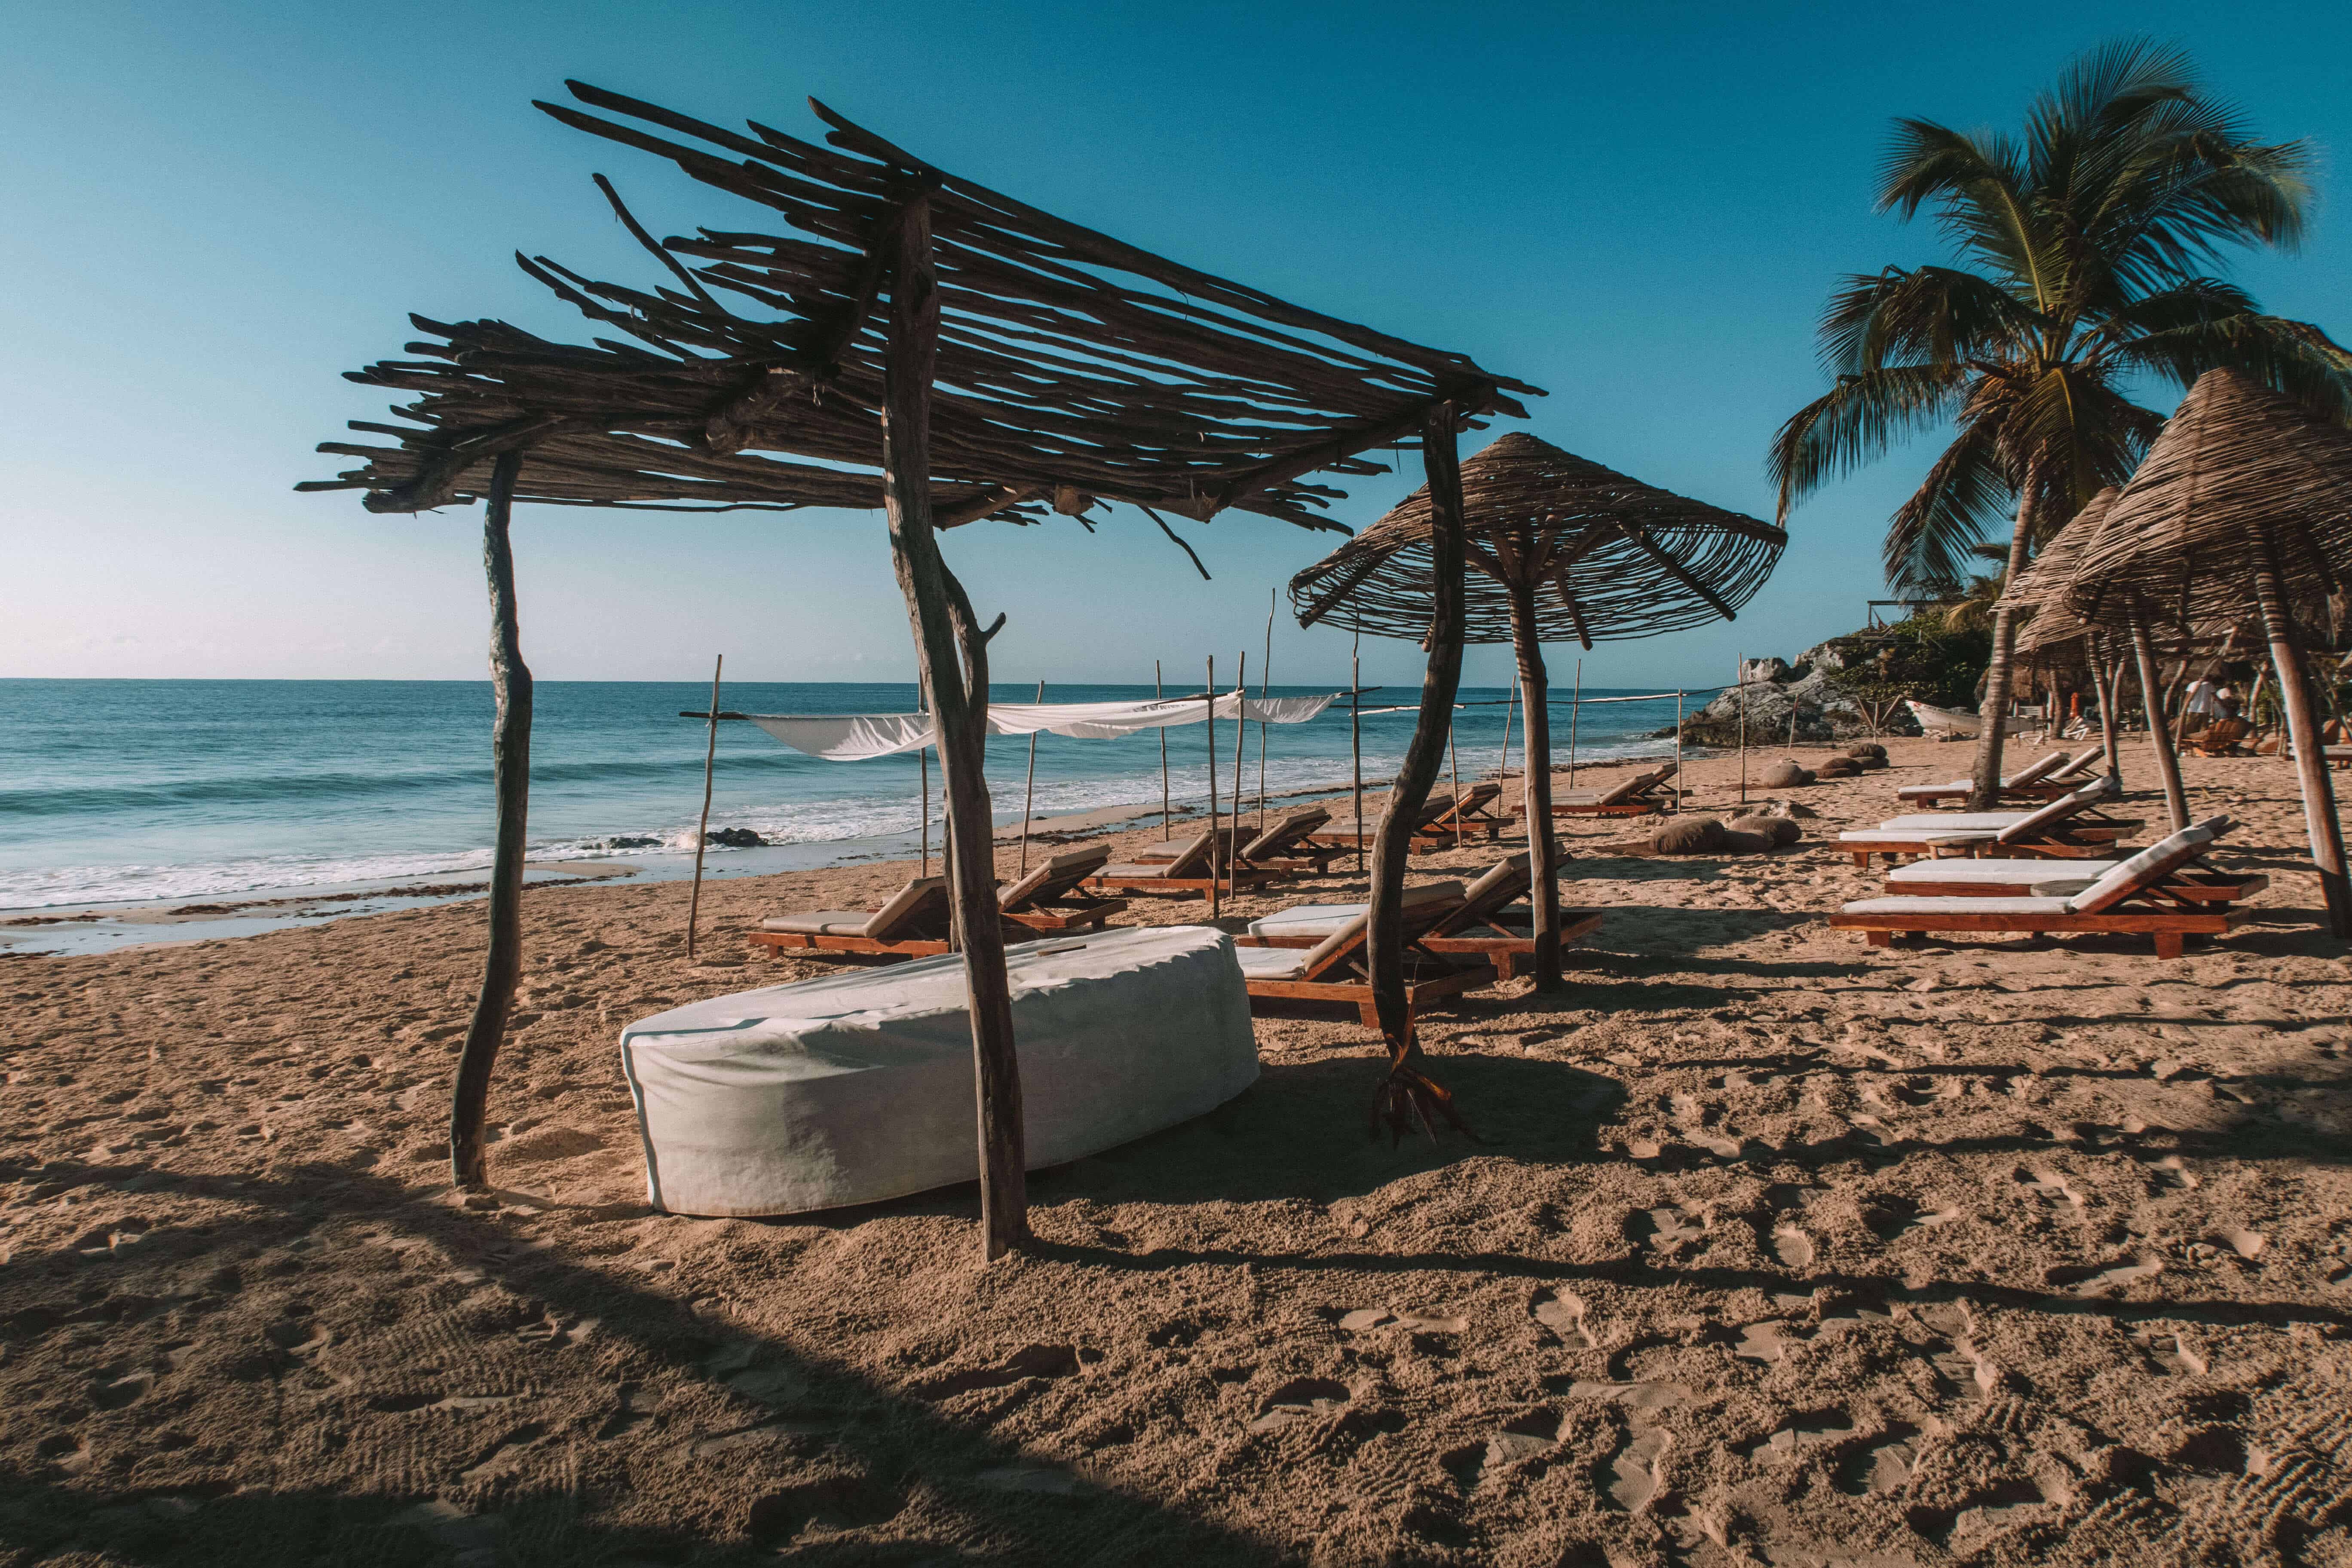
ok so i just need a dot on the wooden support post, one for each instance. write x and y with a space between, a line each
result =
1739 687
1575 712
1454 767
2105 688
952 650
1241 741
1265 691
923 800
2159 733
1029 791
1535 685
2326 833
1678 751
1503 768
510 782
1440 684
1356 737
1215 843
702 834
1167 822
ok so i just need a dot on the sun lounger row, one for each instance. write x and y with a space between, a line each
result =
914 924
2053 775
2065 828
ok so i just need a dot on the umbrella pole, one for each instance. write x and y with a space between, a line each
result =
1211 694
1678 754
510 784
1503 768
2159 733
1265 690
1240 743
702 834
923 800
1167 823
1542 850
1740 662
1028 790
2302 734
1355 739
1454 764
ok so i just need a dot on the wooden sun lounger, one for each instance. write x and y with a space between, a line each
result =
1634 796
1288 845
1337 968
1483 926
2054 831
913 924
2221 737
1191 870
1350 833
1048 898
2134 898
2077 771
1470 817
1996 879
2035 780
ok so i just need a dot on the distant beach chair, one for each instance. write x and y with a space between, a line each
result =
1348 833
1287 845
1192 869
1337 968
2034 779
2221 737
2077 769
1048 898
2132 897
913 924
2003 877
2054 831
1484 925
1634 796
1469 816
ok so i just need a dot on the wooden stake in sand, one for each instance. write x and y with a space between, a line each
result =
511 781
1575 711
1453 761
923 800
1356 739
2159 732
1265 690
1167 823
2302 717
1678 753
1241 739
1029 790
702 834
1739 669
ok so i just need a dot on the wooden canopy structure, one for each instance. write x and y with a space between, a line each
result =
2242 505
929 346
1558 547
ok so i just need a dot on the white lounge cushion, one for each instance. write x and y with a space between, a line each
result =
2152 864
1999 873
821 922
1915 835
1273 962
1317 921
1931 821
2034 823
2020 906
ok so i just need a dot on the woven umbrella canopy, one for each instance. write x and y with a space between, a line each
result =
1557 547
2055 635
2244 504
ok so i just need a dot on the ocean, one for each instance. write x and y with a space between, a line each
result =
122 792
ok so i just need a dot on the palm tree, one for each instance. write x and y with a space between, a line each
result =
2086 249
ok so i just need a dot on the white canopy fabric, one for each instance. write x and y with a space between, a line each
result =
858 737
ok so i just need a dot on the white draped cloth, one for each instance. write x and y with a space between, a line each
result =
857 737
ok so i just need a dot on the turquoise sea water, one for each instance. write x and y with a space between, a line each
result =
132 790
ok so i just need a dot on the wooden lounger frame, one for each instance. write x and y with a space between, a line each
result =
1466 931
2087 841
2189 886
1428 976
2170 927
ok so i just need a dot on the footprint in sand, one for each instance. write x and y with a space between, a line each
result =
1883 1465
2053 1190
1300 1399
1764 1342
1669 1231
2089 1280
1806 1431
2170 1351
2246 1244
2172 1171
1792 1247
1634 1467
1564 1312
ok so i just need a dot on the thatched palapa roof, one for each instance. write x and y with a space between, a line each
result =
1609 555
1070 366
2042 587
2237 467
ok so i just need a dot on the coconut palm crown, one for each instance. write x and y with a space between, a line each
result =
2086 251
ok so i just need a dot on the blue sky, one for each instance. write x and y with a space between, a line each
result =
215 209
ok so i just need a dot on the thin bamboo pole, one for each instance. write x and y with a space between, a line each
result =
1029 791
702 834
1543 852
1503 768
1678 753
1739 661
1167 823
2159 732
1453 761
923 800
1210 690
510 683
1575 710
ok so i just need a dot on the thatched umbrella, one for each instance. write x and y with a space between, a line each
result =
2056 637
2244 503
1559 547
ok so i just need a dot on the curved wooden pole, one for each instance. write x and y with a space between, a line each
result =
702 833
2159 733
2319 817
1542 839
511 781
952 652
1423 757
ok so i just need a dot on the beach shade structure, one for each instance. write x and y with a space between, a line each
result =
2243 506
923 344
1557 547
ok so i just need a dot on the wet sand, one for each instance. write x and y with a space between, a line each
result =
1773 1248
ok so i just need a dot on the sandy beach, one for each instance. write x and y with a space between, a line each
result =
1773 1249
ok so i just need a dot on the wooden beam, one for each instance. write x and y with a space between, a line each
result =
2159 733
1641 538
510 784
986 506
1339 590
952 654
435 483
2326 833
1543 853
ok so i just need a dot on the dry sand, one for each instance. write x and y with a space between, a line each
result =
1775 1249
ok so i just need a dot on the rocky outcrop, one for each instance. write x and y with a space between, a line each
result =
1773 692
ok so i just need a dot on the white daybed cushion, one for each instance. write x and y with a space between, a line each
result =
1273 962
1317 921
859 1086
2001 873
2158 859
1960 907
1913 836
822 923
1974 821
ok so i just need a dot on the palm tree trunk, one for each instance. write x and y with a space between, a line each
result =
1985 795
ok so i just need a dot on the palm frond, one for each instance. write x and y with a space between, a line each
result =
2294 357
1931 315
1964 498
1856 421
